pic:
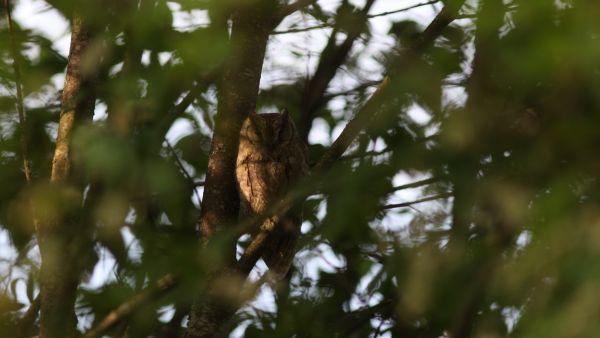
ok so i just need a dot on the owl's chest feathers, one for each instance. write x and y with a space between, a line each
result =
270 161
264 171
264 176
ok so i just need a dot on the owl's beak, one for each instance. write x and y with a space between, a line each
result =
271 144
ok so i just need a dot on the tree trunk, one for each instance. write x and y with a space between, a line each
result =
220 205
57 233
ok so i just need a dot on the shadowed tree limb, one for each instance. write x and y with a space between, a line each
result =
328 25
416 184
237 98
385 89
332 57
351 321
427 3
59 237
19 87
200 86
421 200
173 327
293 7
126 309
26 323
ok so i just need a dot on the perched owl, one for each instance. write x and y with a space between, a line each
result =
271 159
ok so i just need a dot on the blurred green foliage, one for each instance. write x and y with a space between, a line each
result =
511 95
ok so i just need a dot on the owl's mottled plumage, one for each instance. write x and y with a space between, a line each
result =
271 158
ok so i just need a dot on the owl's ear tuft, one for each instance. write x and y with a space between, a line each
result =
285 113
254 119
253 116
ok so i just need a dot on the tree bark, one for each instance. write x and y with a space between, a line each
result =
220 205
237 98
57 234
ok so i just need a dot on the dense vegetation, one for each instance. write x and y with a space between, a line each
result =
454 169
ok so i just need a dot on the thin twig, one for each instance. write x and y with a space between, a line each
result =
183 171
305 29
18 84
177 110
333 56
331 24
28 320
293 7
353 128
360 87
425 199
373 105
32 312
126 309
416 184
365 154
173 327
403 9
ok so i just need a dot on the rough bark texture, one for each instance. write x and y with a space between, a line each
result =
237 98
220 204
56 234
77 99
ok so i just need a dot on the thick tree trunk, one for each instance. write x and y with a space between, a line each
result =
237 98
57 233
220 205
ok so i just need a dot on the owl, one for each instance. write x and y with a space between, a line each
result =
271 159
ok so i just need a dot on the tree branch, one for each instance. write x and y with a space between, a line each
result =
365 154
173 327
360 87
27 322
19 86
370 108
332 57
126 309
60 237
404 9
183 171
353 320
293 7
305 29
329 25
237 98
425 199
178 109
353 128
416 184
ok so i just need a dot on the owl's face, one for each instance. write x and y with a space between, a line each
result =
269 130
